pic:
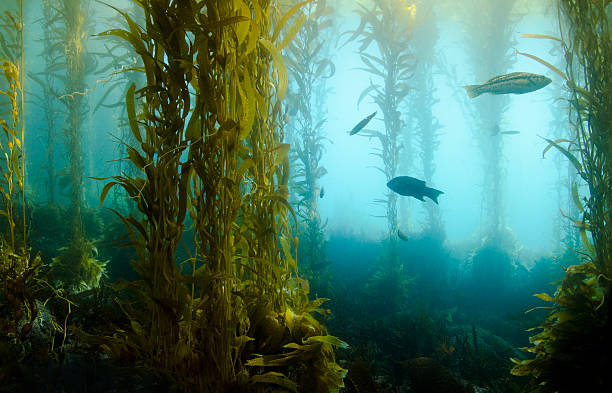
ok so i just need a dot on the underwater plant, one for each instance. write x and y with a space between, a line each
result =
426 126
11 139
47 84
71 27
488 45
389 25
209 126
309 65
573 345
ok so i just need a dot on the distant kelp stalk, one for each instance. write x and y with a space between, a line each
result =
46 83
572 350
208 144
388 24
426 126
76 267
309 65
489 47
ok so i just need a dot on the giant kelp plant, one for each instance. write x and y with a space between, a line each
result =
76 267
47 81
572 350
489 44
208 123
18 308
309 65
388 24
421 108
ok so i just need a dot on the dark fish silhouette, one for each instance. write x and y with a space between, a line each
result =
322 192
409 186
402 236
514 83
362 124
510 132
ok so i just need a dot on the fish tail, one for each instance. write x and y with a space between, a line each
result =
472 90
433 194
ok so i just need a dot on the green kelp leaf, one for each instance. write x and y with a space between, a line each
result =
135 157
544 296
566 153
544 63
586 243
131 112
248 104
283 76
293 31
285 18
576 197
541 36
331 340
105 191
275 379
315 304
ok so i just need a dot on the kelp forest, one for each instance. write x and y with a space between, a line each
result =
286 196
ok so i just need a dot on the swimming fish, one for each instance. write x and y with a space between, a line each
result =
322 192
402 236
510 132
409 186
514 83
362 124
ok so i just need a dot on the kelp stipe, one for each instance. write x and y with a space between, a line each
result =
389 24
308 61
208 127
494 33
76 267
48 100
426 126
572 350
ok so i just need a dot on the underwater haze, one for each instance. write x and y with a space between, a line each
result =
316 196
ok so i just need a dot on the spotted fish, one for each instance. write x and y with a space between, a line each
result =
514 83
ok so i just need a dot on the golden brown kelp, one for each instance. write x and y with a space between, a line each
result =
308 63
76 267
11 139
209 128
572 351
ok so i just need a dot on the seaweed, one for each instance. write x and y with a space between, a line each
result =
574 339
309 65
207 129
389 25
488 45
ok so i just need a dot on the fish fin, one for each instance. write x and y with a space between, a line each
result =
472 90
433 194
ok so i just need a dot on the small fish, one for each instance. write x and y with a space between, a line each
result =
409 186
402 236
362 124
322 192
514 83
510 132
